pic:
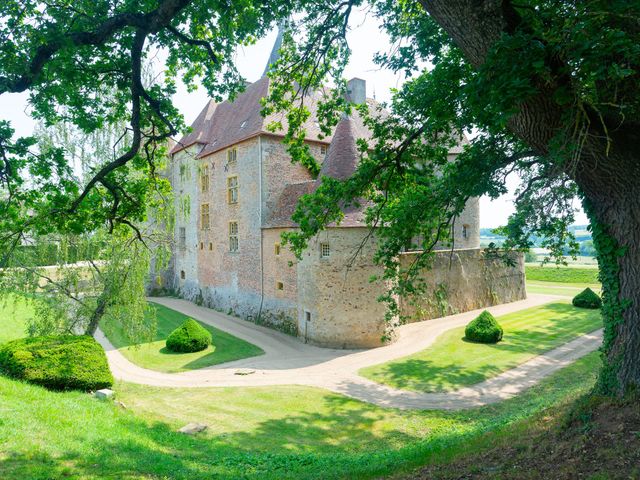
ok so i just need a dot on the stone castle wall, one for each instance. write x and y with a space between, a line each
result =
464 280
336 292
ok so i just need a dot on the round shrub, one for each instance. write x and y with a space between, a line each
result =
483 329
189 337
68 362
587 299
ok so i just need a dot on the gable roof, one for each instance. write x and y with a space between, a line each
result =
198 128
222 125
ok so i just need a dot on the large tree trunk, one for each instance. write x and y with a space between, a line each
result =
607 173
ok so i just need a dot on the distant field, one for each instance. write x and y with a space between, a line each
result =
555 274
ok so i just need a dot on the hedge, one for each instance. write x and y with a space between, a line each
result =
68 362
189 337
483 329
587 299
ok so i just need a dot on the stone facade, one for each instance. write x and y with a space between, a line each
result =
235 190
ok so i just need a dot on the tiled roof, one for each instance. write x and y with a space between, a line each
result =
198 128
224 124
341 161
343 155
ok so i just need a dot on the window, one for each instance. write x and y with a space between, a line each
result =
279 285
325 250
182 238
307 316
233 236
201 246
323 149
210 246
465 231
276 249
232 190
204 216
182 274
204 178
232 155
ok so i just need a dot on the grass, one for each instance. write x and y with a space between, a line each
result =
14 315
452 362
551 273
562 289
155 356
255 433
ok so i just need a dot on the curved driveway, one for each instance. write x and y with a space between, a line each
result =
287 361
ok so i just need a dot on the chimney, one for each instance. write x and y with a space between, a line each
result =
356 91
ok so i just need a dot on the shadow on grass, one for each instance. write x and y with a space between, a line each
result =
423 374
338 443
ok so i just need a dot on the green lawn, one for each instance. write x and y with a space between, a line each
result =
563 289
254 433
452 362
155 356
551 273
14 314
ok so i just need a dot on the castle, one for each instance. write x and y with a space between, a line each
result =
235 191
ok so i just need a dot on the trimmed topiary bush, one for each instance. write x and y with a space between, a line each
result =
189 337
587 299
483 329
68 362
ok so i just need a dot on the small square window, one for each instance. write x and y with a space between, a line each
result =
323 149
279 285
325 250
276 249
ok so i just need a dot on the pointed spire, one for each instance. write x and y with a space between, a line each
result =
275 51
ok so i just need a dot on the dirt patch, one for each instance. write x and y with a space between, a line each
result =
595 439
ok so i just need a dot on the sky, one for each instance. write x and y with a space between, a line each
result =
365 39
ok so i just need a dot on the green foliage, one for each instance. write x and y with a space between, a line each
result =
452 362
483 329
152 353
57 362
189 337
260 433
613 306
562 274
587 299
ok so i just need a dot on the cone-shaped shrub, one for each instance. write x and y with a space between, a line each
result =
484 329
67 362
587 299
189 337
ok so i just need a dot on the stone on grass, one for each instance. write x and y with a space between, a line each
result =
105 393
192 428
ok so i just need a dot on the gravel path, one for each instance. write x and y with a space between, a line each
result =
287 361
